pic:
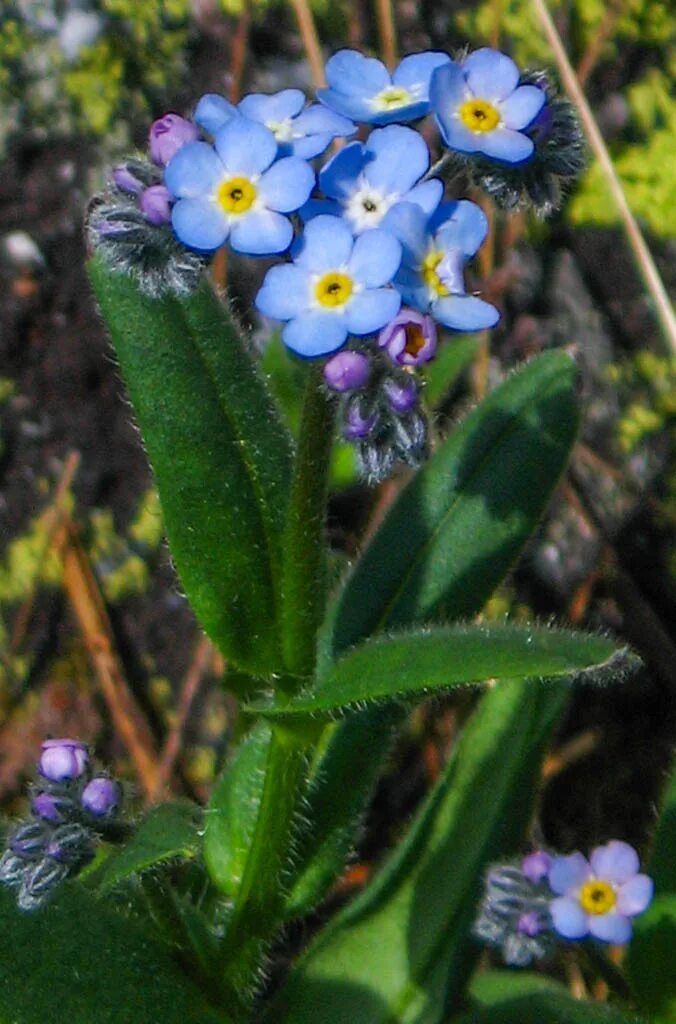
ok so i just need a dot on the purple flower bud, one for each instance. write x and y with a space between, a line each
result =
154 203
358 422
70 844
530 923
51 808
62 760
101 797
28 841
410 339
167 135
401 394
125 180
348 371
39 880
535 866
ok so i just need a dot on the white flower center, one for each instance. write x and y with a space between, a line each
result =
395 96
366 207
283 131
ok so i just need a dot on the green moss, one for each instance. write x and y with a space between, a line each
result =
147 529
29 561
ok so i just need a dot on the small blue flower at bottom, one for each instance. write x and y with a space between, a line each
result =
481 108
236 190
434 252
335 286
362 88
599 896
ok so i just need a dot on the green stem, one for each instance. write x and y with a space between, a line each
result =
304 558
609 972
259 905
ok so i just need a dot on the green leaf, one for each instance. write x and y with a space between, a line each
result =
548 1008
169 832
651 959
490 987
451 359
472 508
458 526
402 950
233 809
414 665
77 960
221 457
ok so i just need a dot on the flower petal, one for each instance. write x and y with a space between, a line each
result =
193 171
506 145
448 89
408 224
523 106
315 334
326 243
278 107
417 69
287 184
568 918
352 74
465 313
568 872
317 207
307 147
285 292
400 158
356 107
371 310
635 895
491 75
199 224
213 112
261 233
338 177
460 225
412 288
245 147
615 862
427 195
457 136
316 119
375 258
610 928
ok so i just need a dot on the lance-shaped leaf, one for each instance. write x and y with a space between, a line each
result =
80 961
548 1008
402 951
458 526
220 454
447 542
651 960
411 666
170 832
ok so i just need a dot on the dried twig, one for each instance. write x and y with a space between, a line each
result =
85 598
308 32
644 261
387 32
201 659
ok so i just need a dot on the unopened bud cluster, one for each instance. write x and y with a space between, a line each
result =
71 809
381 413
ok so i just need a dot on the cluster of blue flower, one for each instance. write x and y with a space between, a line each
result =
379 234
375 248
527 908
70 809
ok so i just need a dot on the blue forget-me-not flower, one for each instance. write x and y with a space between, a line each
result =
481 108
599 896
365 181
300 130
434 253
335 286
362 88
238 190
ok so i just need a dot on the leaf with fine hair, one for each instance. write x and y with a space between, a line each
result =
444 546
220 453
401 952
412 666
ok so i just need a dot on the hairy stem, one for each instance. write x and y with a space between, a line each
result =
304 566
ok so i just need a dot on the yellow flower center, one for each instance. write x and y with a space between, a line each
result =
236 195
430 276
392 97
479 115
333 289
597 897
